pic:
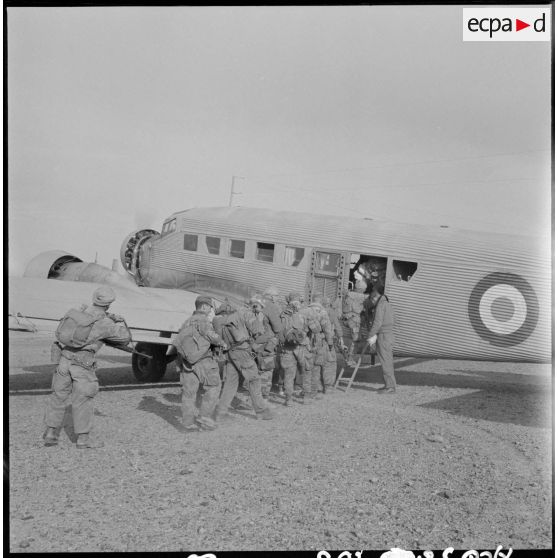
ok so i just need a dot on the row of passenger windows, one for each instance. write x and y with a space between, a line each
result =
265 251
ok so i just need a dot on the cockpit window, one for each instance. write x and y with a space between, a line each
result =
168 227
191 242
237 248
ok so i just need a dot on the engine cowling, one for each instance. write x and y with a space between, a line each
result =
130 251
48 265
57 264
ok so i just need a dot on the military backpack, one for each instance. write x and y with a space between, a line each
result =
75 328
234 329
191 344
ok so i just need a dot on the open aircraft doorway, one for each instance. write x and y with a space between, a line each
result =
368 269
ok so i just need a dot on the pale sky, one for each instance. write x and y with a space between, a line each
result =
119 117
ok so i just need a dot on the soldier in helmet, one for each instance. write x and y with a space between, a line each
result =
80 335
321 343
296 354
231 325
330 368
198 365
262 341
353 304
272 309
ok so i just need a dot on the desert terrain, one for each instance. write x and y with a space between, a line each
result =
460 456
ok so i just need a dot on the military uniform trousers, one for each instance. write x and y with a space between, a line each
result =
75 384
204 373
241 364
265 381
264 361
329 374
384 349
318 376
296 359
277 378
353 322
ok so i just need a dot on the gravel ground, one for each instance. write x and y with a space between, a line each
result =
460 456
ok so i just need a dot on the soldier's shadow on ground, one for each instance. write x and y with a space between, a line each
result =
38 379
171 413
496 398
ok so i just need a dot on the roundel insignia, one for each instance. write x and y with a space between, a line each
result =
503 309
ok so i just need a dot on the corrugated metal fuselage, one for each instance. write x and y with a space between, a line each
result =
473 296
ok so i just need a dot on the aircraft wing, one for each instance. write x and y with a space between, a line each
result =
153 315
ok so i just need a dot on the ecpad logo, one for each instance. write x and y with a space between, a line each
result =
506 24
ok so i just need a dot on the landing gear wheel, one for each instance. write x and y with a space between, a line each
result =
149 370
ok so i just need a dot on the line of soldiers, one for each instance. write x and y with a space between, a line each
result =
262 344
268 346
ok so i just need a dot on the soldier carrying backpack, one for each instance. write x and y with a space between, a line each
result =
80 335
262 341
231 325
198 365
296 354
322 348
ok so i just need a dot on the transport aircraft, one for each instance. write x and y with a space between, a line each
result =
456 294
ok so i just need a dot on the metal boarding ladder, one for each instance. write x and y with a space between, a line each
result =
350 380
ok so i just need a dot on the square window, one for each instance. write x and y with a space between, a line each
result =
237 248
327 262
191 242
293 255
213 244
264 251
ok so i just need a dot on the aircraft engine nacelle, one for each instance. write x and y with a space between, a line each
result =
57 264
131 251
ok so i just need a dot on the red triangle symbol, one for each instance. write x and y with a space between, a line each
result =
519 25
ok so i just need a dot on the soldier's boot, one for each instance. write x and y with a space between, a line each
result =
266 414
318 396
288 401
50 436
221 416
191 427
349 358
206 423
85 442
242 403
